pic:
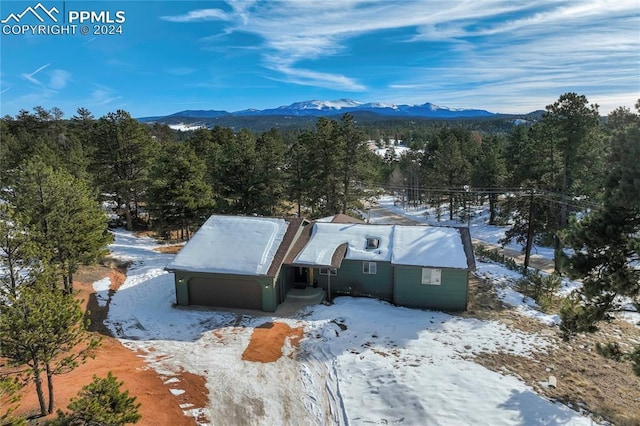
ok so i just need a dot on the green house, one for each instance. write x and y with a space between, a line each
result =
415 266
254 262
236 262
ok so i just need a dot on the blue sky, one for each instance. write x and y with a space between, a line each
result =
503 56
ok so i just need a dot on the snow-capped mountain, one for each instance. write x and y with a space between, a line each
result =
316 108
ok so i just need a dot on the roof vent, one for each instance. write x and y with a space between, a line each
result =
372 243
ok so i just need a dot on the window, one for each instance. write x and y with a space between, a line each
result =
369 268
431 276
372 243
327 271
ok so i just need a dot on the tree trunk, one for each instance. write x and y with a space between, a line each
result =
128 218
50 388
450 206
556 252
37 380
492 209
527 249
70 280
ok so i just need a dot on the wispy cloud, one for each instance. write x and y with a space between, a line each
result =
30 77
319 79
101 95
500 46
4 90
198 16
58 79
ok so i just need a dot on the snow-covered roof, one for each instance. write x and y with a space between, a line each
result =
428 246
232 245
327 237
401 245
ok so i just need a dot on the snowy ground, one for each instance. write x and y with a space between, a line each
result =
361 361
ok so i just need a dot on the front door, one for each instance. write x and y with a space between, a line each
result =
300 277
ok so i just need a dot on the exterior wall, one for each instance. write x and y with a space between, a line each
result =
267 286
450 295
351 280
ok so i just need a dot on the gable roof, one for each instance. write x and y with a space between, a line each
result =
427 246
237 245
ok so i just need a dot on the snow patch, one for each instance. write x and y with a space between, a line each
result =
101 288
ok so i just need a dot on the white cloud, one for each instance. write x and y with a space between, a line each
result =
31 78
319 79
198 16
533 50
58 79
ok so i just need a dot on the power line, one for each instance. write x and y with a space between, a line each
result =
549 196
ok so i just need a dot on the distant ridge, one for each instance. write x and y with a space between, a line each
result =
317 108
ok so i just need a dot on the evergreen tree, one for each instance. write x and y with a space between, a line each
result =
10 396
179 196
17 252
353 156
100 403
575 130
123 153
267 187
606 243
41 327
490 171
300 169
63 219
448 165
326 149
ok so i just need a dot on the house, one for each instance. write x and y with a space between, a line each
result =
252 263
414 266
235 262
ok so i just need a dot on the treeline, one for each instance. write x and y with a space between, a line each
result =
178 183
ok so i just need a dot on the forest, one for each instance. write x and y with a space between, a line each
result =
569 180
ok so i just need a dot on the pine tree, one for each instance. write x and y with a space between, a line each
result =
41 327
268 179
63 219
449 166
179 196
606 243
353 160
300 171
123 153
490 171
17 251
10 396
326 149
100 403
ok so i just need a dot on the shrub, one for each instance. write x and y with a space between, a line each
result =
100 403
610 351
576 317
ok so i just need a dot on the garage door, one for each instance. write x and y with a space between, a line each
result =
225 293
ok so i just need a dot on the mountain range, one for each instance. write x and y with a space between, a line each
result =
315 108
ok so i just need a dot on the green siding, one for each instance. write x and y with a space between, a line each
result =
351 280
182 289
269 297
450 295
